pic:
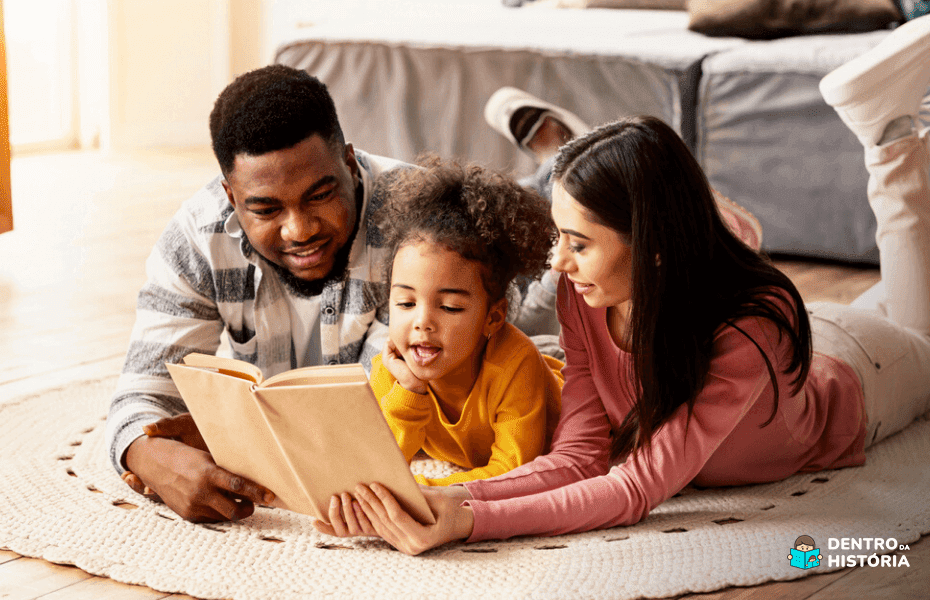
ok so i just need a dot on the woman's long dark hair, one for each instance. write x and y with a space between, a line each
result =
637 177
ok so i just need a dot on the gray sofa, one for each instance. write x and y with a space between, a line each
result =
406 83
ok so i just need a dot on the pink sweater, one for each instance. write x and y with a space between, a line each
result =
573 488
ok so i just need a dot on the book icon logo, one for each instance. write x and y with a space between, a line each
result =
805 554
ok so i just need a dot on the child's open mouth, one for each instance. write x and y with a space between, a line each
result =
424 354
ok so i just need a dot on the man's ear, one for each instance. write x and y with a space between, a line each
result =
229 192
349 157
497 316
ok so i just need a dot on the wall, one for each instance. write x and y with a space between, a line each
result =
167 61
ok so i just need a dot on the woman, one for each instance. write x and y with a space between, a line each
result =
688 356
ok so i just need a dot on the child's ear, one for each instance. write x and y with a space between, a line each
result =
497 316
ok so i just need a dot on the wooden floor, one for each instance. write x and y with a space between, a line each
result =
69 274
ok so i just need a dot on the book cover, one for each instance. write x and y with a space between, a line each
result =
306 434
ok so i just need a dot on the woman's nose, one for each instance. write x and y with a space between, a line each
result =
560 258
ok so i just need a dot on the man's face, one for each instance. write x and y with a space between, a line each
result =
297 205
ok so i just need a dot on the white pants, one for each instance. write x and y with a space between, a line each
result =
885 336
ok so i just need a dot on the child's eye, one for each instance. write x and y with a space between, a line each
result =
452 309
404 304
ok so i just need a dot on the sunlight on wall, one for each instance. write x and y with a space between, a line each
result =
40 58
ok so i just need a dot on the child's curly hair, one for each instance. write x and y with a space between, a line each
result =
480 214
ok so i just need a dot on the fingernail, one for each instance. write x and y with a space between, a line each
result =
334 502
149 429
268 497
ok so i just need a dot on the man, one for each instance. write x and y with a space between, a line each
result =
281 255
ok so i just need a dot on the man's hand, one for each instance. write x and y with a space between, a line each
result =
180 427
394 363
190 483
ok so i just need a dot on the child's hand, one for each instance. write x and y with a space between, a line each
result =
396 366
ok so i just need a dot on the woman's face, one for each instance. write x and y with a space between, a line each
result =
596 259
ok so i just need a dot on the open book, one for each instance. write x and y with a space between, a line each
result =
306 434
805 560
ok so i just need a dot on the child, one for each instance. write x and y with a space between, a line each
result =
455 379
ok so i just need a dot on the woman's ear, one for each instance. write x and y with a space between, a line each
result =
497 315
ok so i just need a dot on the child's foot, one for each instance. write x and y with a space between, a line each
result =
884 84
533 125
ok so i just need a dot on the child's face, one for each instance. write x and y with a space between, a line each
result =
804 547
440 314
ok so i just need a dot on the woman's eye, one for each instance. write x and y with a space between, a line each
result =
575 248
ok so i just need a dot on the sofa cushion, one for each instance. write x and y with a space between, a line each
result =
769 19
767 139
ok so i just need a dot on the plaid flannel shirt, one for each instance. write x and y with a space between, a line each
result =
204 279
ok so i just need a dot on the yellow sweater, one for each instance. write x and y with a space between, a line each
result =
506 421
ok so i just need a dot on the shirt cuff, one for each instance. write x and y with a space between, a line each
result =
401 396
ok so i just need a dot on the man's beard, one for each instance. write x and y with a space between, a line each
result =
307 289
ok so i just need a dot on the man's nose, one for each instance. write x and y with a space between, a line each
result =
299 227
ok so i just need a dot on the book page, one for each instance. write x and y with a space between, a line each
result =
319 375
226 366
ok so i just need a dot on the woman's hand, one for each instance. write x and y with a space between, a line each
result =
375 512
396 366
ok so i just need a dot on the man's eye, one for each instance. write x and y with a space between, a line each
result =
321 196
263 212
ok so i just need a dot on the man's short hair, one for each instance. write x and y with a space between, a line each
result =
268 109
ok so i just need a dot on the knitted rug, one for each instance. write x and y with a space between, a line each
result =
61 501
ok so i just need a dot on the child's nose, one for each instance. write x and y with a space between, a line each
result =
423 319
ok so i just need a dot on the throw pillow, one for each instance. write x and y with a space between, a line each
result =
911 9
649 4
768 19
